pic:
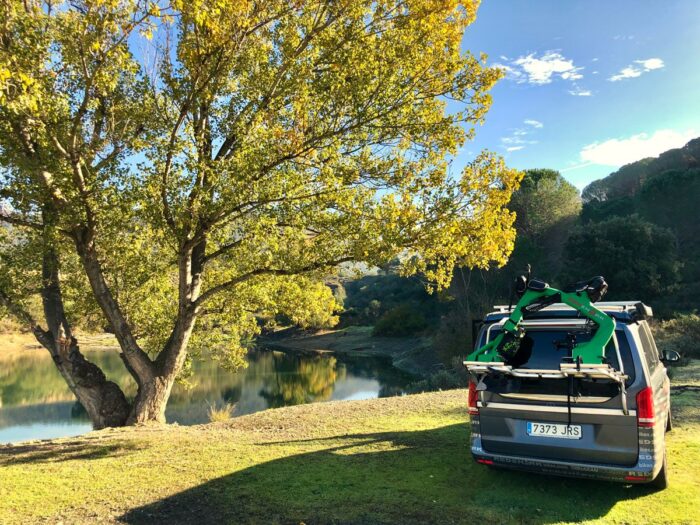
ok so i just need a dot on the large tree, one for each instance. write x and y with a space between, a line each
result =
184 168
546 206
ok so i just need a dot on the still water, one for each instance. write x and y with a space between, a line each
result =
35 402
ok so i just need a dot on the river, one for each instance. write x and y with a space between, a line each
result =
35 402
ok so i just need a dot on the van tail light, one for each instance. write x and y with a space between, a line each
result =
636 478
473 395
645 408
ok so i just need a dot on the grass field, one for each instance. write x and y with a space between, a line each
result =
395 460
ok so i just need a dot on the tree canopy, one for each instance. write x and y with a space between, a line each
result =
181 170
638 259
546 206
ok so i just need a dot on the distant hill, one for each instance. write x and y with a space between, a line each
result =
664 191
628 180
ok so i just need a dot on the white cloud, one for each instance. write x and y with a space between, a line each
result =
520 137
511 72
541 70
580 92
627 72
516 138
651 63
638 68
575 166
617 152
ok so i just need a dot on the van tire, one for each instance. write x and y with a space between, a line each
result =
660 482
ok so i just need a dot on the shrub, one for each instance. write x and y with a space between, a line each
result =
447 379
681 334
10 326
372 296
454 336
400 321
222 413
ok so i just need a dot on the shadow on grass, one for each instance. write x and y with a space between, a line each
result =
68 451
397 477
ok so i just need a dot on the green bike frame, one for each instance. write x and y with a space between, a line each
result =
590 352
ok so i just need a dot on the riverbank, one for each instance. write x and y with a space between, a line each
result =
413 355
391 460
17 343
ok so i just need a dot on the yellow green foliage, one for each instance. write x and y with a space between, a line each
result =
222 156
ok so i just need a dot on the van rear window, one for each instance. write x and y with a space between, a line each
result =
547 355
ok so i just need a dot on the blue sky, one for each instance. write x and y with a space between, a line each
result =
590 85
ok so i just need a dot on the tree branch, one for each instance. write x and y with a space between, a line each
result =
138 359
227 145
266 271
18 221
221 250
26 318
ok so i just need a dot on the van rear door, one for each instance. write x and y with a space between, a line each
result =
527 417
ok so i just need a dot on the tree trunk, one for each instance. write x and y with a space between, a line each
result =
151 400
154 392
103 400
155 379
154 389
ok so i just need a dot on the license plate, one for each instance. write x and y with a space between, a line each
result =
554 430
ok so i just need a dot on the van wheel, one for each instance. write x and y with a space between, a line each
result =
661 480
669 421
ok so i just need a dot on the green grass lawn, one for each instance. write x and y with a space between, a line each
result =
395 460
687 375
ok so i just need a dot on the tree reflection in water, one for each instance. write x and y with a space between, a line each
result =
33 393
301 380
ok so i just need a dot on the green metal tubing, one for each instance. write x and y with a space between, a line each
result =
591 352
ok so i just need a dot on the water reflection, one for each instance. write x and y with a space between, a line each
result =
300 381
35 402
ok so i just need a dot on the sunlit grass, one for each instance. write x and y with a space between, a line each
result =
688 375
394 460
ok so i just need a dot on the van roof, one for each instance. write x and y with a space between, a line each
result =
623 311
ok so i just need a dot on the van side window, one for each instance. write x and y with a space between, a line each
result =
648 345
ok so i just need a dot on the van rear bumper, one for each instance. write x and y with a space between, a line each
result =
643 472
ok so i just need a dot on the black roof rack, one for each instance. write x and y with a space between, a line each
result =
622 311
